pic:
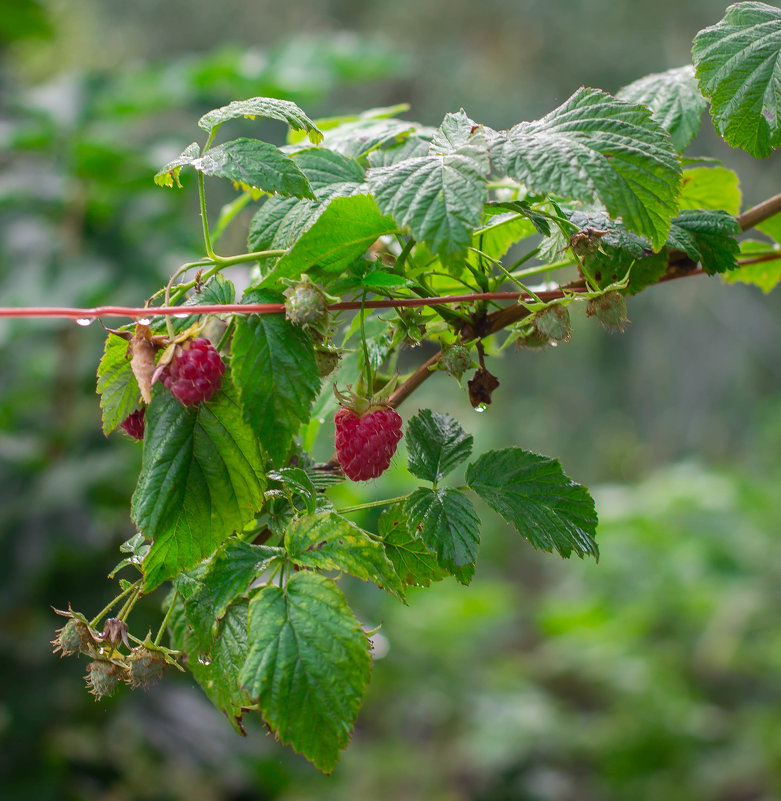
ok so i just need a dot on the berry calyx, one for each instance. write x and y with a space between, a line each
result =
102 677
133 424
610 310
195 373
365 442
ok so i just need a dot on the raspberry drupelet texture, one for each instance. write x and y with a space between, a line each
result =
365 444
133 424
195 374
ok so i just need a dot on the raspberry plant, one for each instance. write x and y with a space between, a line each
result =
229 394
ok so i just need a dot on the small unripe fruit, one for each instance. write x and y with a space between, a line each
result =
455 360
144 667
610 310
306 305
554 323
102 677
532 338
73 638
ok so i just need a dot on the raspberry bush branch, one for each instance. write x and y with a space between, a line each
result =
230 395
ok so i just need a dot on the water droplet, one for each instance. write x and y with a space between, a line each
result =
481 407
143 320
204 660
85 321
101 650
183 316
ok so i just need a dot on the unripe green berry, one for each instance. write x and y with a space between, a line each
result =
554 323
610 310
102 677
144 667
455 360
532 338
73 638
306 305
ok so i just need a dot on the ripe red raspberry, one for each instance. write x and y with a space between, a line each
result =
366 443
133 424
195 374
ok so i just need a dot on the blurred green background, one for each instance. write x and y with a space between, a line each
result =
655 674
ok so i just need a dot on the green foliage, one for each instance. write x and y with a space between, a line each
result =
308 665
234 501
532 493
739 69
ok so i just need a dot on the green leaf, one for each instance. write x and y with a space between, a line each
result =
297 482
675 102
279 222
217 290
438 197
436 444
708 237
595 147
414 563
219 675
361 137
329 542
533 494
170 173
764 274
308 665
117 386
201 479
772 227
268 107
251 162
226 575
738 64
380 281
447 523
276 374
342 233
710 188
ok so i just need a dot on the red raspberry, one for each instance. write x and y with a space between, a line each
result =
133 424
365 444
195 374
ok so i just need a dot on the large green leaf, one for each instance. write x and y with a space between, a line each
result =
276 374
710 188
438 197
226 575
595 147
766 274
329 542
707 236
201 479
254 163
342 233
447 523
436 444
280 221
414 563
308 665
533 494
269 107
218 674
117 386
674 99
738 63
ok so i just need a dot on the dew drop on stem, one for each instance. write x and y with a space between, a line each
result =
84 321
